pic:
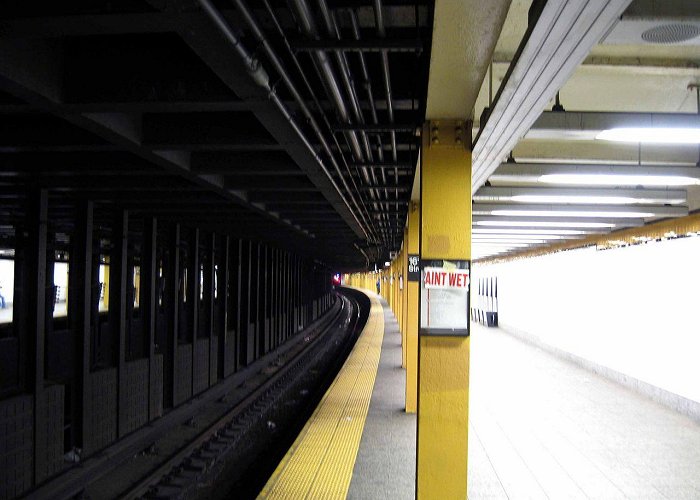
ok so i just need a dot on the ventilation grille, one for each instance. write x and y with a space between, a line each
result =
671 33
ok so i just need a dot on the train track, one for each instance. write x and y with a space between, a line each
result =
235 440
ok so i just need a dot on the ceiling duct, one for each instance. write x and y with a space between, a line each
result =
672 22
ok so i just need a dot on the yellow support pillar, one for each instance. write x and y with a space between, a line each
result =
399 316
412 300
402 307
393 287
443 380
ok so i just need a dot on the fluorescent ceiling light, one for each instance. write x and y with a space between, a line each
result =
566 213
538 232
506 223
619 180
612 200
656 135
514 237
508 241
499 244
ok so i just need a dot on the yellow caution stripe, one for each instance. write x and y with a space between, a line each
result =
320 462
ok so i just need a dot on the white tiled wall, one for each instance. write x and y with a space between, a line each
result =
635 310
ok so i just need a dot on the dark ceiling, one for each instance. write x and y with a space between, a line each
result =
288 122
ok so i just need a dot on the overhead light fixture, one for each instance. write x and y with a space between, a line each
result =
566 213
618 180
506 223
540 236
490 244
387 264
508 241
538 232
651 135
583 200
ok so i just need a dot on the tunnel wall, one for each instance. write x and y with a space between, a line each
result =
187 309
631 312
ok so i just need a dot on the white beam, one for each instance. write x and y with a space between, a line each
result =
559 41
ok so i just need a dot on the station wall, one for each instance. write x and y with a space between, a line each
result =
633 310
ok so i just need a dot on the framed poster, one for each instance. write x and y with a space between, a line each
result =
444 293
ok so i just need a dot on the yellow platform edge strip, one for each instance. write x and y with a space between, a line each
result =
321 460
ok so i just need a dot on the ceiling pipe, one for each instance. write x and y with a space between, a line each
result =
319 107
342 62
368 89
262 79
308 25
379 18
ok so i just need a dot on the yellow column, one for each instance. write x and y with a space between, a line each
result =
393 286
412 300
105 297
402 308
404 295
401 295
443 388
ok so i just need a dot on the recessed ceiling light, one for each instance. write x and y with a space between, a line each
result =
655 135
619 180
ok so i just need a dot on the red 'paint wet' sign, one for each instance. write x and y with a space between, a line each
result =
437 277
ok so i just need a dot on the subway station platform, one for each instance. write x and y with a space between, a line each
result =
540 427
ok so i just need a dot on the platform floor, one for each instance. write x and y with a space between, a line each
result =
385 466
540 427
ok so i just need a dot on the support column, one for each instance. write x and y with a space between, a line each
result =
36 313
412 285
213 287
173 310
193 293
223 291
148 307
80 302
443 387
404 295
118 270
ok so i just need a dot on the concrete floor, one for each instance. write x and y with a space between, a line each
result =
540 427
385 465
